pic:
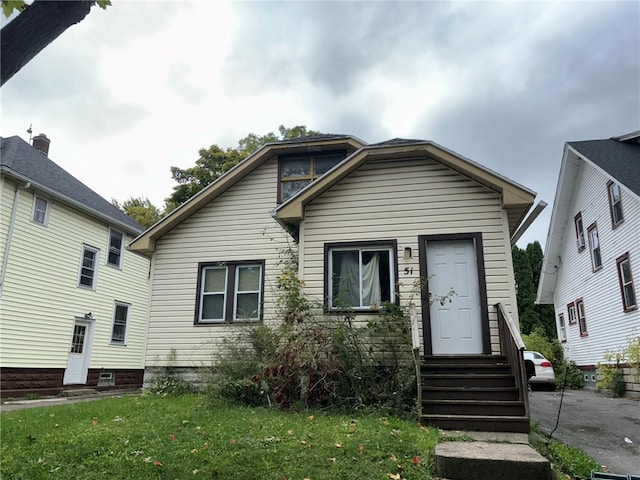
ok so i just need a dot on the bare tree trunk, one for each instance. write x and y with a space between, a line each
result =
35 28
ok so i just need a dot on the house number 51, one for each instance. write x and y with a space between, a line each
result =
408 271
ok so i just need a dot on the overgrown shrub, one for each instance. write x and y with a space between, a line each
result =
569 375
551 349
610 374
318 360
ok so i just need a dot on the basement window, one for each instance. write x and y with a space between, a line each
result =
107 379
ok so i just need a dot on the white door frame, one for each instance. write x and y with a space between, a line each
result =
482 287
78 363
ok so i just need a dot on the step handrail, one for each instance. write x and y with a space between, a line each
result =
512 346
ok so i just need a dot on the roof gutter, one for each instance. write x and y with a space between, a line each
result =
74 203
12 223
528 221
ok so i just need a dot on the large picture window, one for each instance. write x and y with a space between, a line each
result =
625 278
229 292
298 171
360 276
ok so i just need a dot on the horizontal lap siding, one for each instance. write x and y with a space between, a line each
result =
401 200
41 298
235 226
609 327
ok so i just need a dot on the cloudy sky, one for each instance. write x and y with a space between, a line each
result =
135 89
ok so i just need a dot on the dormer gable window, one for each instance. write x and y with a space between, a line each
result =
296 171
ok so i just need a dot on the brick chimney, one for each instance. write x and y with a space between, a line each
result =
41 142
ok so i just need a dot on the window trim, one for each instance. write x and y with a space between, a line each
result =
391 245
581 317
562 327
579 226
619 261
594 228
122 343
230 293
572 313
45 220
312 176
96 262
610 185
120 255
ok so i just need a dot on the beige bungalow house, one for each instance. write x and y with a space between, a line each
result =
369 222
73 299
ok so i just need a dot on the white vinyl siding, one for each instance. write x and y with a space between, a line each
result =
402 200
237 226
609 326
41 298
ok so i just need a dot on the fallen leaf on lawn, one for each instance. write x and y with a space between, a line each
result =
310 418
41 460
339 445
118 419
361 448
198 427
303 442
94 422
158 463
184 422
394 458
205 445
148 460
233 441
137 452
394 477
290 432
415 460
194 450
172 437
195 472
333 459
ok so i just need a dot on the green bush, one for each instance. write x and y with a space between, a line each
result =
551 349
569 375
167 379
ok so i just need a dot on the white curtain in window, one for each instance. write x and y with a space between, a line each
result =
348 281
371 294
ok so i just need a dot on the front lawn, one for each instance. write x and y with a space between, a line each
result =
190 437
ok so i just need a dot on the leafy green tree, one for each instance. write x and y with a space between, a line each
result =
140 209
215 161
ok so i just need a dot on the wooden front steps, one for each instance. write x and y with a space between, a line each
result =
472 392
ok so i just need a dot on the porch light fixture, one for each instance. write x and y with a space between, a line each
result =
88 316
407 253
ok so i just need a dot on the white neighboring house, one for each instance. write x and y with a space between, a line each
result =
591 264
73 299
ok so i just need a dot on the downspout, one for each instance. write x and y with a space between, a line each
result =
12 222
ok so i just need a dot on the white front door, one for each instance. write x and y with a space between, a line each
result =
456 325
79 354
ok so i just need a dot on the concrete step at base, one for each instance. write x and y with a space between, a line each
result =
494 461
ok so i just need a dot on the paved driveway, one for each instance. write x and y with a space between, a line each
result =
595 423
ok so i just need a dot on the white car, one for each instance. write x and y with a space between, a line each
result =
544 377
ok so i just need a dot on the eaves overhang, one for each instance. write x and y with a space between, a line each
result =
146 242
69 201
516 199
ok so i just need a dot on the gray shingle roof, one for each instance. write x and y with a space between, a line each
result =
620 159
19 159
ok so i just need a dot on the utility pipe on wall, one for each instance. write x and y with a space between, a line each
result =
12 222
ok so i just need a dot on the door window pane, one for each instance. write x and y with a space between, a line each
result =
77 341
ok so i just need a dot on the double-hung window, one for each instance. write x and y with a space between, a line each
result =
573 316
298 171
360 276
88 267
120 321
615 204
40 210
629 300
229 292
579 232
582 318
563 327
594 246
114 256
